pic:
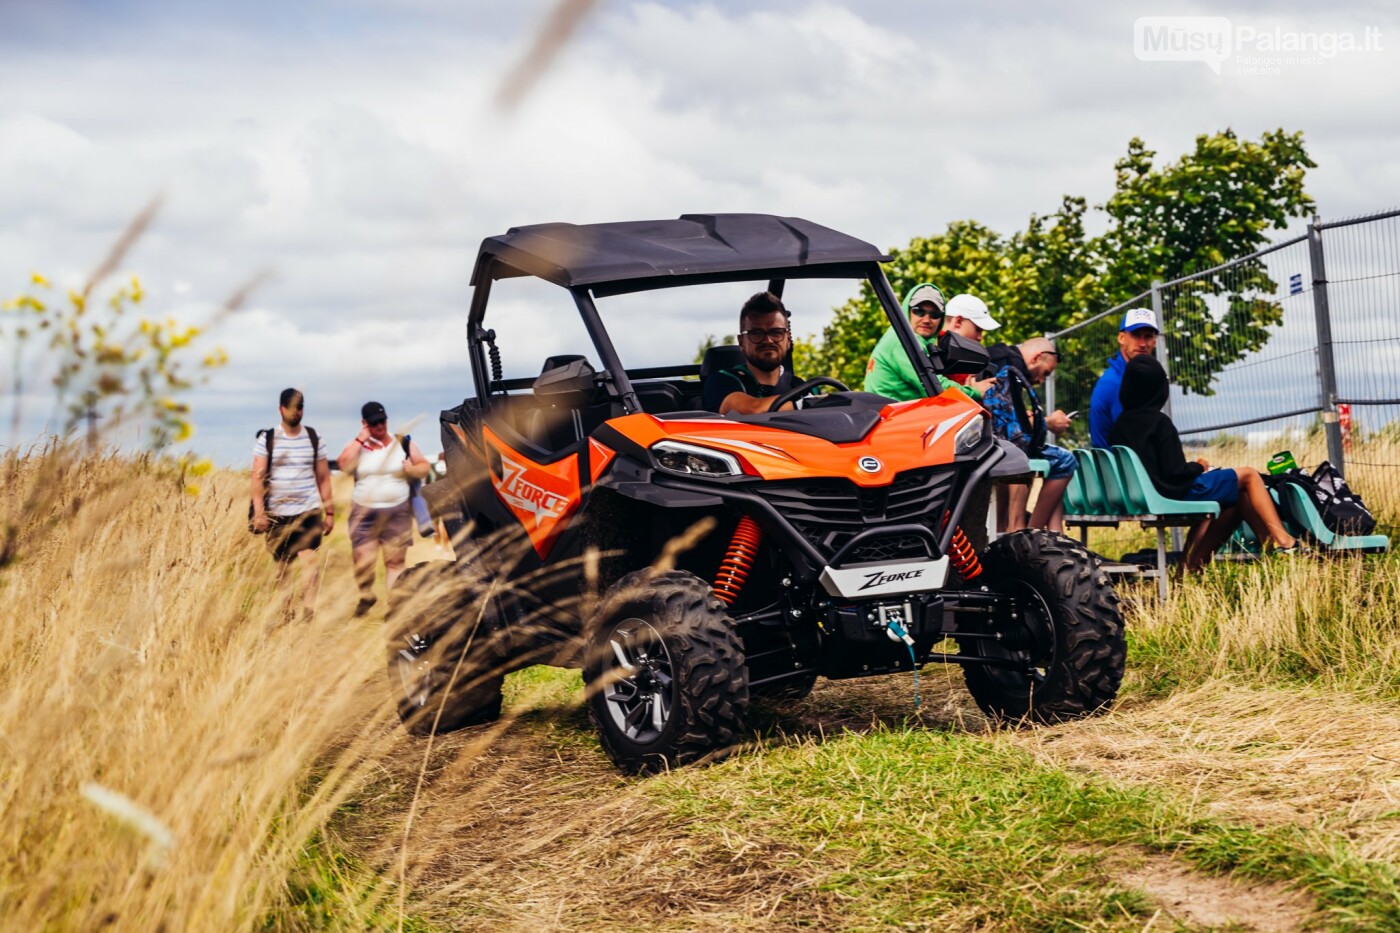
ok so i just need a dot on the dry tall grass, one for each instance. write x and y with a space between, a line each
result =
1372 463
168 747
170 750
1332 621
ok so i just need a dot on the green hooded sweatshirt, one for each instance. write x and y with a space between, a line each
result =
891 372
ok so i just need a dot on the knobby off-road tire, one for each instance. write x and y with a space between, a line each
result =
434 620
1069 646
665 674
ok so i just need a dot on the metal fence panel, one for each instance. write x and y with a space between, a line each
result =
1242 346
1287 348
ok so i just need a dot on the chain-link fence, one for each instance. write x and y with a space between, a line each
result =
1295 347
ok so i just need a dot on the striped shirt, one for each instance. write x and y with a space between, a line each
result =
291 476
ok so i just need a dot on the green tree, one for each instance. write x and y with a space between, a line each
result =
712 341
1219 201
969 256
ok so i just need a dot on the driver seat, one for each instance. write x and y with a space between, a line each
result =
719 357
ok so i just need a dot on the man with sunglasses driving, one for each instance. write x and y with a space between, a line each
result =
765 339
891 372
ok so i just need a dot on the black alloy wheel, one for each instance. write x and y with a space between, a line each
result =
665 674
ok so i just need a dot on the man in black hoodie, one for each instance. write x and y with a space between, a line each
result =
1240 491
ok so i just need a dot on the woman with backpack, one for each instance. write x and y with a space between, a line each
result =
381 516
1240 491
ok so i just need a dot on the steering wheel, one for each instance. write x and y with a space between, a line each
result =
806 388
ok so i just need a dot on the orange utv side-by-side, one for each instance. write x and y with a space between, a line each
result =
689 561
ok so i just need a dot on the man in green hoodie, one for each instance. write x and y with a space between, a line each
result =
891 372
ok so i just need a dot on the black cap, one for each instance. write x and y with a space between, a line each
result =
373 411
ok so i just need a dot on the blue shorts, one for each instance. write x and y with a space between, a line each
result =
1062 462
1216 485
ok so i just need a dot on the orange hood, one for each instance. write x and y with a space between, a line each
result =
907 436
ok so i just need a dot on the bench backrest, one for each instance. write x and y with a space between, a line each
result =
1088 473
1143 495
1075 503
1300 509
1116 499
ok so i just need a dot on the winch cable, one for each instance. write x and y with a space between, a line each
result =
898 633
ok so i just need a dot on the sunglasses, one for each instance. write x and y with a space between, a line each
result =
926 312
377 422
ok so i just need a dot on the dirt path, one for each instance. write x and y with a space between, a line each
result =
1191 898
534 829
1264 757
529 827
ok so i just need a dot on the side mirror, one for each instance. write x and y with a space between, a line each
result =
955 355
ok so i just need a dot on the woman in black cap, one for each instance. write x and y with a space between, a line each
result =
381 516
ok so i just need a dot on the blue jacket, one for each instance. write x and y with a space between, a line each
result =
1104 407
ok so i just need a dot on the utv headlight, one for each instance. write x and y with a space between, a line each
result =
693 460
969 436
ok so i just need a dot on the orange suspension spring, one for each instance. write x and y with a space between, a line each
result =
738 561
963 557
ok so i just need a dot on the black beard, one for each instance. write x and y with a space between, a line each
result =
765 366
294 420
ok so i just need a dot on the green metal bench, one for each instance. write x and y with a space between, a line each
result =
1112 486
1086 501
1310 525
1155 510
1311 528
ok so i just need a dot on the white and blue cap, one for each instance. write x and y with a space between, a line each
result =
1139 318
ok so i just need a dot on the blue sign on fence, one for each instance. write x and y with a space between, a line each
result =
1295 284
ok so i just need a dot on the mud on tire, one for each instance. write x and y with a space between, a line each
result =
665 674
1068 646
433 620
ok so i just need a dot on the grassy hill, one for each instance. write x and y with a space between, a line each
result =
176 757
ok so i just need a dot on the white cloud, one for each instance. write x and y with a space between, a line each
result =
359 156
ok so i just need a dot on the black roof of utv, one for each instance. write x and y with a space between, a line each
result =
641 254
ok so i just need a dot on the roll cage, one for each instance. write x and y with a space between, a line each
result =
600 260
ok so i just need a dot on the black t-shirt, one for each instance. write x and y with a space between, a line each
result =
740 379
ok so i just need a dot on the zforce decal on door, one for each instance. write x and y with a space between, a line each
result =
541 496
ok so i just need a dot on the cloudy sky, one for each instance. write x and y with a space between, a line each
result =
353 149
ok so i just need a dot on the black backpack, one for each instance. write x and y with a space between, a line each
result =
267 434
1342 510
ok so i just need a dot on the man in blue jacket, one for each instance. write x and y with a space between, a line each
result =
1136 337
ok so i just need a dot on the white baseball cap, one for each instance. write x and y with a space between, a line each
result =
1138 318
972 308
